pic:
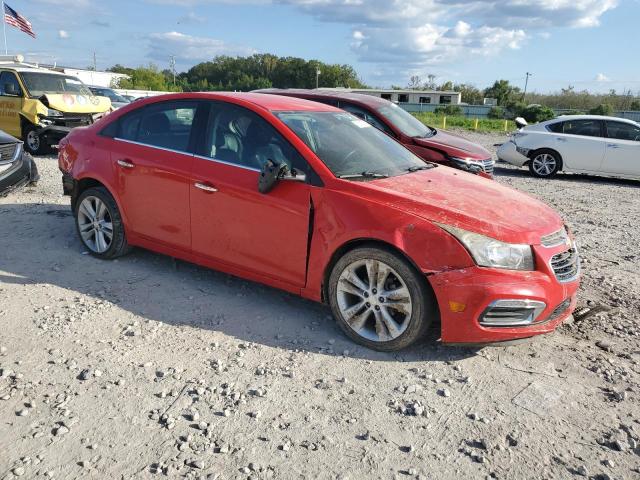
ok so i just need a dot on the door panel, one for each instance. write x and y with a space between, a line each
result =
581 144
237 225
153 186
622 156
10 105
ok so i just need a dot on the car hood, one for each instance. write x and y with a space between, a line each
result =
6 138
71 103
460 199
454 145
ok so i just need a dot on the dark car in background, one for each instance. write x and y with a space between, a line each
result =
428 143
17 167
117 100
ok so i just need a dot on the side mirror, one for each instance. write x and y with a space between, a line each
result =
270 174
11 90
521 122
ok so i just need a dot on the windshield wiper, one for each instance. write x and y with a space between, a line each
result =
363 175
415 168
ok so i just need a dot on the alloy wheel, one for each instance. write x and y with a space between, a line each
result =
95 224
374 300
33 141
544 164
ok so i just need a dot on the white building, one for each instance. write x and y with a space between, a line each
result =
408 96
92 77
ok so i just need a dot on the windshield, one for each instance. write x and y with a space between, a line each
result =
404 121
39 83
351 147
110 94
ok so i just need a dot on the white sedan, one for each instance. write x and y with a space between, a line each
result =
589 144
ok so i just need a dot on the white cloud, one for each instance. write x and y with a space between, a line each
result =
63 34
424 32
602 78
190 48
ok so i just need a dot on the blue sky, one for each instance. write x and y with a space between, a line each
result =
590 44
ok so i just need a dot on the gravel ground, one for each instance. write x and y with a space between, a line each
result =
149 368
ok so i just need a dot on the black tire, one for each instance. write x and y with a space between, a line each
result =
33 143
423 303
535 167
119 245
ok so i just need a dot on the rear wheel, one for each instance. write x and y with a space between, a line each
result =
379 300
545 163
99 224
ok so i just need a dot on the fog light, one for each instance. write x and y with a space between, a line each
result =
457 307
512 313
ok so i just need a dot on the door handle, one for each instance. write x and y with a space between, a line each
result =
561 139
125 163
612 145
205 187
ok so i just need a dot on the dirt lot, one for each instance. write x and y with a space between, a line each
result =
146 367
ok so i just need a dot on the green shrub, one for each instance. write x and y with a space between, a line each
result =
448 110
537 113
496 112
635 105
602 109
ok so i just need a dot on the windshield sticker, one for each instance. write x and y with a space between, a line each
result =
360 123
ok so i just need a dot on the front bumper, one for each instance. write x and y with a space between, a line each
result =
508 152
16 174
465 296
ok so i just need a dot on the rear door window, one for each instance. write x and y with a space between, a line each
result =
165 125
585 128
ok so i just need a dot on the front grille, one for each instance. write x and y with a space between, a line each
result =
554 239
79 120
487 166
566 265
560 309
7 152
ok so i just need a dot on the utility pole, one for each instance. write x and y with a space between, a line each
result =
526 83
172 66
95 62
318 72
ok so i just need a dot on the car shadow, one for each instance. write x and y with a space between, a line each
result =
501 170
40 246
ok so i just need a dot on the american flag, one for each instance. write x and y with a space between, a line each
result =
14 18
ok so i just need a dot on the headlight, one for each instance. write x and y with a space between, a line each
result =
53 113
467 165
489 252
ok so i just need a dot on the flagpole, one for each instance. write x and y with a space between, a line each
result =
4 30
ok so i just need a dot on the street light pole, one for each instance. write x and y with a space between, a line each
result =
526 83
318 72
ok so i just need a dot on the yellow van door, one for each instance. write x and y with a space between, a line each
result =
11 99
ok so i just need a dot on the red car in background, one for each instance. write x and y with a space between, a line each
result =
427 142
310 199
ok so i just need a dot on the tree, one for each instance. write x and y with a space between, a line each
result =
635 105
503 91
470 94
415 83
144 78
602 109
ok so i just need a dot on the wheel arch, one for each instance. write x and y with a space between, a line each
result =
537 151
85 183
367 242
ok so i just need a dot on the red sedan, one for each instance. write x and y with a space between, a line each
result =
428 143
313 200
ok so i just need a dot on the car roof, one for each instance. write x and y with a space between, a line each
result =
19 67
273 103
592 117
370 101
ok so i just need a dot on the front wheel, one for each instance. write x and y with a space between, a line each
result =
99 224
545 163
33 143
379 300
